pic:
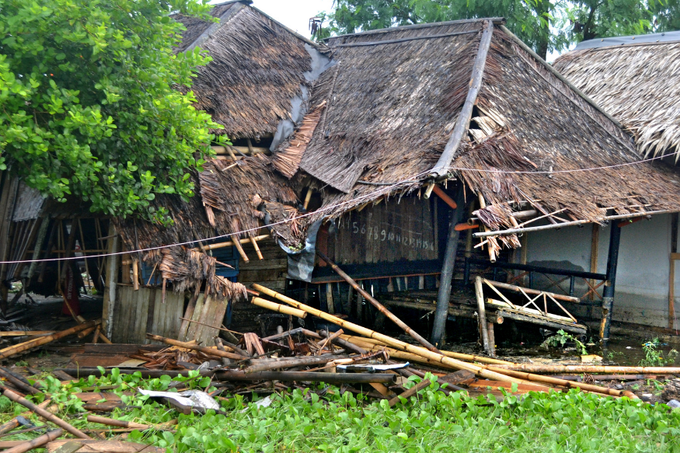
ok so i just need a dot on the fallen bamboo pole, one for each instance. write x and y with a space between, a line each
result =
44 414
380 307
483 371
185 345
34 343
18 383
454 355
278 307
37 442
564 383
345 344
590 369
114 422
437 357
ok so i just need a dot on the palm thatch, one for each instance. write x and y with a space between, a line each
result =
258 67
391 104
232 199
638 85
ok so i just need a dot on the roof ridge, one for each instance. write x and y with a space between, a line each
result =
223 19
441 168
495 20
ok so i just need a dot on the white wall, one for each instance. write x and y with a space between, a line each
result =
643 268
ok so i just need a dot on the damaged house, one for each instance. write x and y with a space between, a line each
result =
408 157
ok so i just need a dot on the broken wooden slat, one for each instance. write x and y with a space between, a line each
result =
203 349
105 446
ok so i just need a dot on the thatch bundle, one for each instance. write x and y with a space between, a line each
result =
638 85
189 269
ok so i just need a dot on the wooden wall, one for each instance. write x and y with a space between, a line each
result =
137 312
388 232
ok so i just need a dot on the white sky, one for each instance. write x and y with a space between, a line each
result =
294 14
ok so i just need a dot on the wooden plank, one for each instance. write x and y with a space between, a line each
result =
193 327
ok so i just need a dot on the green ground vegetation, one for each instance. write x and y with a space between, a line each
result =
325 419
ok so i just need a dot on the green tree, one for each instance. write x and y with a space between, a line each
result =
545 25
89 101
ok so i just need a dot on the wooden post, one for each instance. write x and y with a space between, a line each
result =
111 282
609 286
481 312
594 247
448 267
671 280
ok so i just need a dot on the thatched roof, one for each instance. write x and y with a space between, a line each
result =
635 82
260 70
230 197
391 103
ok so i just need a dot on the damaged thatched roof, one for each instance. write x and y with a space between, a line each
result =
230 197
392 101
635 82
259 74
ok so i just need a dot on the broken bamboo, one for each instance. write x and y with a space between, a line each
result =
230 243
44 414
278 307
481 316
37 442
380 307
275 364
483 371
185 345
410 392
34 343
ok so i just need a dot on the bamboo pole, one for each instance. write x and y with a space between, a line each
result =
135 274
278 307
44 414
185 345
257 248
230 243
34 343
483 371
244 257
564 383
590 369
18 383
380 307
445 197
437 357
410 392
371 344
37 442
114 422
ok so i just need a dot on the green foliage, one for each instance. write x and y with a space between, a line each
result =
562 338
328 419
654 357
544 25
90 105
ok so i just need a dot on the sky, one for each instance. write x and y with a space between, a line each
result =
294 14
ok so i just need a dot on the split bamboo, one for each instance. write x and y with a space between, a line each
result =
185 345
34 343
37 442
380 307
481 318
483 371
278 307
44 414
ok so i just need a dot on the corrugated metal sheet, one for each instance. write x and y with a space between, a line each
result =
29 203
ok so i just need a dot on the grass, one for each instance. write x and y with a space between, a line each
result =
303 421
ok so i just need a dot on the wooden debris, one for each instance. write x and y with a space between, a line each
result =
205 350
44 414
37 442
30 344
104 446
